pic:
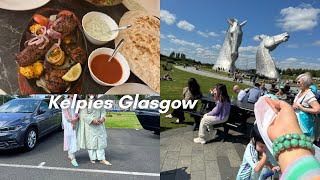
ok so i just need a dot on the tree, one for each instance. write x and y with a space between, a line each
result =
183 56
178 55
172 55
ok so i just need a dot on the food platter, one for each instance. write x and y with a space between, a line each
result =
104 2
77 39
20 5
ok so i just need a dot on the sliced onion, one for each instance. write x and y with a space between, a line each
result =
57 21
52 18
53 34
59 41
36 40
51 49
46 41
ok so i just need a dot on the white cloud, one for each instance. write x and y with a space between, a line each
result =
316 43
184 43
224 32
256 37
303 17
292 46
170 36
207 34
248 49
185 25
167 17
216 46
291 59
295 63
162 36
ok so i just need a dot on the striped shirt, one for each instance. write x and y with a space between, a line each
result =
249 162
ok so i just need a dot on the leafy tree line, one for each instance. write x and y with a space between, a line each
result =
181 58
291 72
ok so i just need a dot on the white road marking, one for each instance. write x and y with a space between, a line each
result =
41 164
81 170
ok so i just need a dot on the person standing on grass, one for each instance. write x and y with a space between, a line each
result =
92 133
219 114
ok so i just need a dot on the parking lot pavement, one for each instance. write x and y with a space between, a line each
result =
181 158
134 154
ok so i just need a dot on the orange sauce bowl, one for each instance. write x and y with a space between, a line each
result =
113 73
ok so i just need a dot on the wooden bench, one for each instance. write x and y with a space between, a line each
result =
230 123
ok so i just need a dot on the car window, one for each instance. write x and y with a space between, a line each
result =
44 106
19 106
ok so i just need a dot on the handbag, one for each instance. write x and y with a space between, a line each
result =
306 121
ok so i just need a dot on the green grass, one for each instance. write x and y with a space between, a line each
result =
173 90
123 120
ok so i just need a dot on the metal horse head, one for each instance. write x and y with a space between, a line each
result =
265 65
235 36
272 42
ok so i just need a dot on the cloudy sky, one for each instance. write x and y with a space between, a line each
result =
198 29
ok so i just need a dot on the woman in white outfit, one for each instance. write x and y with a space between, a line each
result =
70 124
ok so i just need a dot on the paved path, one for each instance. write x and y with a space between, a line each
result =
218 76
181 158
134 155
209 74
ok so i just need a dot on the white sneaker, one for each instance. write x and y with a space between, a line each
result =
169 116
199 140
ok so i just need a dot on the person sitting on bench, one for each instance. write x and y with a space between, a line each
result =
192 92
241 93
218 115
254 93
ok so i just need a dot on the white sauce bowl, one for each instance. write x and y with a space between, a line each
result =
110 22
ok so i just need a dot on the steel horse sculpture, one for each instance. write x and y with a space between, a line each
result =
229 51
265 65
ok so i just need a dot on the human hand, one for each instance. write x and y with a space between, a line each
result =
101 120
95 122
297 106
276 168
285 122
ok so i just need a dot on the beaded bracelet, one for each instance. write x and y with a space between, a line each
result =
291 140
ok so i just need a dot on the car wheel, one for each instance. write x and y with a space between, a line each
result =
31 139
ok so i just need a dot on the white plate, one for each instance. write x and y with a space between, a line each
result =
131 88
19 5
151 6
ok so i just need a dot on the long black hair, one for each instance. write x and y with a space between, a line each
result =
194 87
222 93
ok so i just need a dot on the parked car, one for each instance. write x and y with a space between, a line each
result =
149 118
24 121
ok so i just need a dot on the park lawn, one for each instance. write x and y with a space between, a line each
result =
172 90
123 120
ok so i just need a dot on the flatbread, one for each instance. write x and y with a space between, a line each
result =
131 88
142 46
150 6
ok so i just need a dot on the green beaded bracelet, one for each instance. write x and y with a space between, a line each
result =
291 140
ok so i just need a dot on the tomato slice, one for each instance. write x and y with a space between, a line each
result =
40 19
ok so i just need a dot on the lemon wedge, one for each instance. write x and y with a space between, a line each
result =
73 74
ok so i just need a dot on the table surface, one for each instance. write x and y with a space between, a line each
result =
12 25
241 105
